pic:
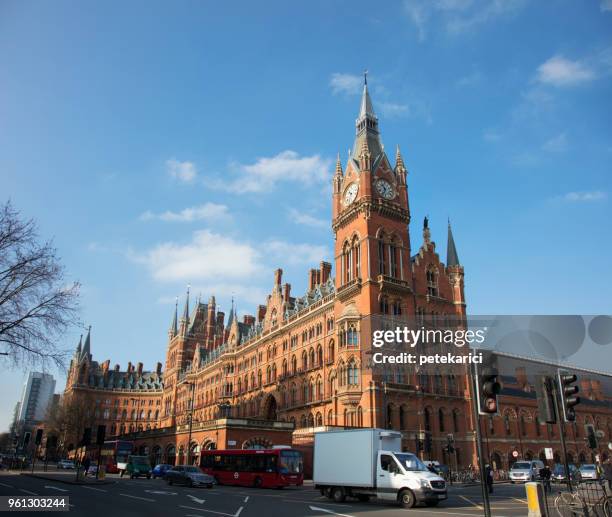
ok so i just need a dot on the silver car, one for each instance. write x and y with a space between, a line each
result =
588 472
188 475
524 471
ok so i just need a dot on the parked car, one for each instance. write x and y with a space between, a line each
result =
559 475
137 466
588 472
188 475
65 464
160 470
523 471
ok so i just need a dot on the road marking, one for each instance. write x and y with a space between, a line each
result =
317 509
56 488
524 501
428 512
27 491
136 497
246 499
212 511
471 502
7 486
160 492
305 501
96 489
195 499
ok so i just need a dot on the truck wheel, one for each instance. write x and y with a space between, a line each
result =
338 494
364 498
406 498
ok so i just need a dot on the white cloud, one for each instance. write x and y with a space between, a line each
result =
305 219
290 253
457 16
558 71
605 5
556 144
206 211
393 109
585 197
287 166
185 172
208 256
348 84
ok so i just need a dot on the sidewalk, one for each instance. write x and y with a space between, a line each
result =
68 478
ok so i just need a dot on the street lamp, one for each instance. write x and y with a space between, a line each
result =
190 421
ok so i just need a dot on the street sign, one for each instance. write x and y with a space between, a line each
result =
231 443
515 454
549 453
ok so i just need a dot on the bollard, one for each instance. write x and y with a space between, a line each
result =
536 505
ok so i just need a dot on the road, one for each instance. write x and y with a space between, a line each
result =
151 498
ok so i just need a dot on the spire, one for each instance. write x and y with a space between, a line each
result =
399 161
185 317
452 259
174 324
87 346
230 318
78 348
338 166
366 126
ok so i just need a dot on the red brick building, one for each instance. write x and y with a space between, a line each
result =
304 362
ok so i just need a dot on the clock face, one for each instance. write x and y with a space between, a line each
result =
385 189
350 193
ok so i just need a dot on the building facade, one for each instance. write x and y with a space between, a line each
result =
36 396
304 363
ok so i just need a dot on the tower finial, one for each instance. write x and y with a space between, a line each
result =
365 77
426 232
338 167
186 309
452 258
399 161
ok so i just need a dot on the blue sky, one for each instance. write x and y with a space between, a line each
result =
167 143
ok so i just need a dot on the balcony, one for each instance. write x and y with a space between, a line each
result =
349 289
391 285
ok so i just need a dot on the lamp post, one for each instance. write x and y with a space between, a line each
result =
190 421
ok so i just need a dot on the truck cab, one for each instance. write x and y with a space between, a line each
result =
398 472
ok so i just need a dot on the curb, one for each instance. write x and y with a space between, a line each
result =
66 481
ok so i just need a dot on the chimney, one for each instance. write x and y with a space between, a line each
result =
139 369
158 368
117 367
105 365
220 318
129 368
596 387
312 279
521 376
325 269
585 388
286 292
278 277
261 313
248 319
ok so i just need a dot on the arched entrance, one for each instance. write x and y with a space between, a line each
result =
257 442
194 454
496 461
270 408
156 454
171 455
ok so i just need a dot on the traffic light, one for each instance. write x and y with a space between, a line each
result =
427 443
488 387
100 435
86 440
568 391
546 402
591 437
450 443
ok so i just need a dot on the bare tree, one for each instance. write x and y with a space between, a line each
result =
36 304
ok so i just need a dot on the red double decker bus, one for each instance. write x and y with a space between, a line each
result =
115 455
265 468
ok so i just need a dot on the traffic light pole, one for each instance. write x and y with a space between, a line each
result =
555 393
483 481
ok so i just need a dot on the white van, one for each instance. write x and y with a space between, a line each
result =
365 463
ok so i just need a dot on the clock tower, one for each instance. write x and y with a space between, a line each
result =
370 222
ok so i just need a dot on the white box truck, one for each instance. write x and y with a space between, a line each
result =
366 463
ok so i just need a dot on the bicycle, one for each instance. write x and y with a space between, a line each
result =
575 504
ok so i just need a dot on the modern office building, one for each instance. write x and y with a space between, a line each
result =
35 399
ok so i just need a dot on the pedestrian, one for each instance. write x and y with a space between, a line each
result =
607 476
489 477
546 474
86 463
